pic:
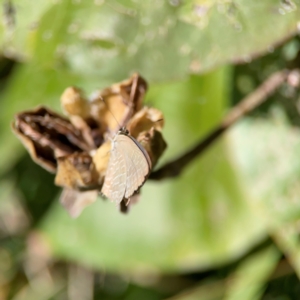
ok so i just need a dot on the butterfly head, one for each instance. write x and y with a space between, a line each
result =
123 130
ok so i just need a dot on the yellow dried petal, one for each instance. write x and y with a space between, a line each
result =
144 120
100 159
154 144
77 171
74 104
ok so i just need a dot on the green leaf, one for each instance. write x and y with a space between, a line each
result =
162 40
249 280
246 282
267 154
20 22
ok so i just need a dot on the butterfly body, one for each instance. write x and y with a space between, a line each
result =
128 167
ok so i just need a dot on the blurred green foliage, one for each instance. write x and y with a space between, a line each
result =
228 227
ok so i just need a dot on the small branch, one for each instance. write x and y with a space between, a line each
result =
249 103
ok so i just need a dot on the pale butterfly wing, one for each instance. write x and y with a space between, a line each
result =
138 163
115 178
128 168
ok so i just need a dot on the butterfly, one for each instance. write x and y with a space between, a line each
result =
128 167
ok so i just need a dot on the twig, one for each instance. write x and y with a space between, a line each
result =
256 98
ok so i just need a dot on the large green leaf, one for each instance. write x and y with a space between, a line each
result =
246 282
161 39
249 280
267 155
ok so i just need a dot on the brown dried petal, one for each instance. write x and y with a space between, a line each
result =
75 201
154 144
74 103
78 109
122 100
145 127
144 120
100 159
77 171
42 155
46 134
132 91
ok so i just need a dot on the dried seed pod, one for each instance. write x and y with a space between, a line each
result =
80 150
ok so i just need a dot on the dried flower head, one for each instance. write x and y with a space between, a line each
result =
78 149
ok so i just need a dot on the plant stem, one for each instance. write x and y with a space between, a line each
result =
246 105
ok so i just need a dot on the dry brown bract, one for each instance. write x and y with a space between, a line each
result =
77 149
